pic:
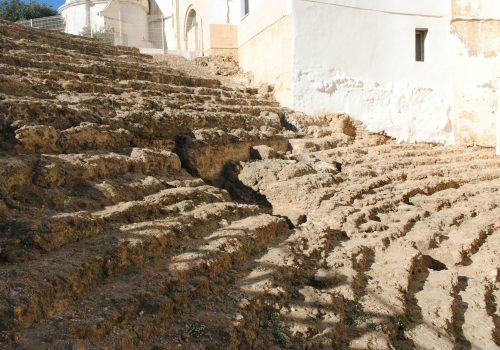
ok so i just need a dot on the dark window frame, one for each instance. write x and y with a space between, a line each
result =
420 36
246 7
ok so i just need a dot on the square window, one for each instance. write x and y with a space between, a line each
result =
420 35
246 7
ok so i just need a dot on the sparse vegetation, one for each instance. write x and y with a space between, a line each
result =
180 250
196 329
356 317
275 325
68 203
235 296
403 327
374 326
104 34
136 340
5 123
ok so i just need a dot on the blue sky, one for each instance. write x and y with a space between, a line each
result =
54 3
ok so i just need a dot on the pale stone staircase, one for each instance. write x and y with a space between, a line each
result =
413 234
97 209
128 216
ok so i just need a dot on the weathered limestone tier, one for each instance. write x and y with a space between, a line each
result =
146 207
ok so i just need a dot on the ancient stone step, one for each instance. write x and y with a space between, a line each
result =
266 299
53 39
66 170
49 289
123 69
436 303
479 327
107 241
58 230
465 240
122 302
438 313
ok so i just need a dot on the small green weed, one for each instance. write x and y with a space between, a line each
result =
359 298
5 123
276 326
196 329
345 176
374 326
180 250
356 317
136 340
68 203
404 326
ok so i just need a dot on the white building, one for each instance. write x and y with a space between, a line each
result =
420 70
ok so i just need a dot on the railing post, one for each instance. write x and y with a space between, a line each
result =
497 78
120 25
31 22
163 33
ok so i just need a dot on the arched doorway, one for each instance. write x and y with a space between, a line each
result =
191 31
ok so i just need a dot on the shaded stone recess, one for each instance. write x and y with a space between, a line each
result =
152 205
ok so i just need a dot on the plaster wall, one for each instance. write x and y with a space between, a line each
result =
260 18
217 21
207 13
223 40
79 14
268 55
128 19
358 57
237 9
97 22
254 4
475 48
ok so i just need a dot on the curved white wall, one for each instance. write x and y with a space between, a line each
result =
79 14
128 19
130 22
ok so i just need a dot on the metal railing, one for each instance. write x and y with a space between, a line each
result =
114 31
52 22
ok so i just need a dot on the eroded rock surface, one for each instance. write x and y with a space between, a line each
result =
144 206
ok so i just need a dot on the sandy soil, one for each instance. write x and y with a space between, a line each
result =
153 203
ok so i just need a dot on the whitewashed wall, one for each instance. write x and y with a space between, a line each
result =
207 12
75 14
99 15
475 48
265 46
358 57
262 17
128 19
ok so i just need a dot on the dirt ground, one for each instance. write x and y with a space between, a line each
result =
156 203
